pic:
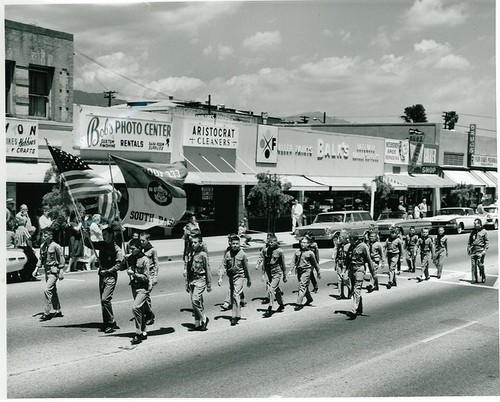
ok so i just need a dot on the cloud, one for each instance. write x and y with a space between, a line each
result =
345 35
383 39
428 13
427 46
327 32
220 51
453 62
262 41
329 68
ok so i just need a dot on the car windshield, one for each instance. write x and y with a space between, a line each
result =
391 215
452 211
328 218
491 210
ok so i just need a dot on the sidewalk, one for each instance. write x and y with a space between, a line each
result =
171 249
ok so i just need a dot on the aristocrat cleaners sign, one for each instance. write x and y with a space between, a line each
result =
115 129
208 133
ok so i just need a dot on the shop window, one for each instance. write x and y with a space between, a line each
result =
40 84
9 81
453 159
396 169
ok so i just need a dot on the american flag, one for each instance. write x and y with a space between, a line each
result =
106 205
80 179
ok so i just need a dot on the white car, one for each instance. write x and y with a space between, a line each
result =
491 216
455 219
15 260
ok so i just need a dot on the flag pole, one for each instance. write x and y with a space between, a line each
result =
117 211
71 197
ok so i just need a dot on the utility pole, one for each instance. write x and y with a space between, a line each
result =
109 95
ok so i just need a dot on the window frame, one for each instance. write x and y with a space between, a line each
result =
40 94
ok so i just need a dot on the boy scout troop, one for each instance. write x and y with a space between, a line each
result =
356 259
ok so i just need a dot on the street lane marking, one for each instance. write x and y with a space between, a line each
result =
131 300
474 285
448 332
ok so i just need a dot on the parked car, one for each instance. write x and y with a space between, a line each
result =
491 216
15 260
326 224
456 219
386 219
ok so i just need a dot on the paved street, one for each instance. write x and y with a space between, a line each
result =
439 337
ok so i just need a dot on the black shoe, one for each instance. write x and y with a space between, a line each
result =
297 308
351 315
398 273
114 326
419 279
280 308
375 288
203 327
483 280
370 288
439 277
46 317
308 302
109 330
394 284
268 313
427 278
234 321
150 321
136 340
315 290
243 304
388 286
144 336
58 314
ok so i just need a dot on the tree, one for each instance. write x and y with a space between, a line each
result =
384 190
450 119
267 198
462 195
414 114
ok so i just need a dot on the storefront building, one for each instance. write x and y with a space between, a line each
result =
38 105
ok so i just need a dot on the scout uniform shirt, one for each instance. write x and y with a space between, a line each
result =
199 267
425 245
273 260
235 264
359 254
51 255
140 279
376 252
478 241
394 245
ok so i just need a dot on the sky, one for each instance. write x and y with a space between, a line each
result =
360 60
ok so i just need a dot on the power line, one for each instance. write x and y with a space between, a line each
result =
121 75
477 128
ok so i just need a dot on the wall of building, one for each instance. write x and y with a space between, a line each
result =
456 142
31 45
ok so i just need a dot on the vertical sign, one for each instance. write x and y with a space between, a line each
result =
417 139
471 144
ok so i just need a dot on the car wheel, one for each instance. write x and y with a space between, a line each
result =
460 228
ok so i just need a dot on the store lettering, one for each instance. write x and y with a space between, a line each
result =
20 129
213 132
96 131
150 217
327 150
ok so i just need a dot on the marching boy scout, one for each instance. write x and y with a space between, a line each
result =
394 252
303 263
150 252
198 278
140 282
476 247
340 240
441 248
377 257
235 265
358 256
273 265
426 247
411 240
52 260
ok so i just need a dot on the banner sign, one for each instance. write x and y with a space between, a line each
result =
208 133
111 129
21 138
416 145
267 144
397 151
483 161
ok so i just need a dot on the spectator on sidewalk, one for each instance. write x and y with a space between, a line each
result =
242 232
74 230
423 208
24 231
44 222
297 212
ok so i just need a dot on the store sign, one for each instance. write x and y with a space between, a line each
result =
209 134
397 152
472 138
267 144
425 169
484 161
118 130
21 138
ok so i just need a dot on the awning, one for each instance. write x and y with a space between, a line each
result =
19 172
463 177
418 181
488 181
302 183
342 183
220 178
492 174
